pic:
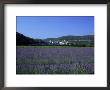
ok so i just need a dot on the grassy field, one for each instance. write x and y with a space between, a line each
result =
54 60
51 47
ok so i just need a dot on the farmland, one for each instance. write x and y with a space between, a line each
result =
54 60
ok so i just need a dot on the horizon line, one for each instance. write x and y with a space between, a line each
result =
55 37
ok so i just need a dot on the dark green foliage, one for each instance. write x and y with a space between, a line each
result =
23 40
76 41
86 37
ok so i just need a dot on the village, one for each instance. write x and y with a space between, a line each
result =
70 42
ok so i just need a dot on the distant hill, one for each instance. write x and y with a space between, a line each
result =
87 40
86 37
24 40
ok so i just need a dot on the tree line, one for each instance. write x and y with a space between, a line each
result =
22 40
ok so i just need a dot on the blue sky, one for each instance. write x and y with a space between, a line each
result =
54 26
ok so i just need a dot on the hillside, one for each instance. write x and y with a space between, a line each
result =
86 37
87 40
24 40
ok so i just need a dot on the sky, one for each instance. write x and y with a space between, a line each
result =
43 27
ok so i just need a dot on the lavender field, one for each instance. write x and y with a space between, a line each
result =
56 60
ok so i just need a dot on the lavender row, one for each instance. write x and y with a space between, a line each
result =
55 69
